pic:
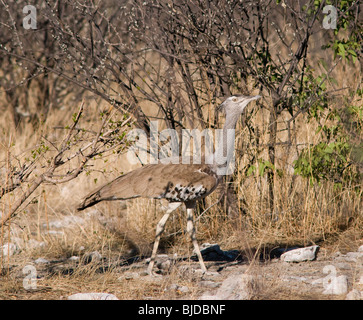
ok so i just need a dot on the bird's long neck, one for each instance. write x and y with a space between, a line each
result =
223 157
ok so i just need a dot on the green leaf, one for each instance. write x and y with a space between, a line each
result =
353 54
341 50
250 170
261 169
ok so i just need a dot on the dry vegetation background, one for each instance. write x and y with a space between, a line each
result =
93 70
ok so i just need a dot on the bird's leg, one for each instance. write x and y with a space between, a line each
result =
159 230
191 231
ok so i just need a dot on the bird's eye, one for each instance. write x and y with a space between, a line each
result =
234 99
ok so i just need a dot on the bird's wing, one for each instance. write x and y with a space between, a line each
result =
175 182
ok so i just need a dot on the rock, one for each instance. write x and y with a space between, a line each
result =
211 275
41 260
8 249
152 278
213 252
33 244
74 258
354 256
300 255
360 249
128 275
343 265
92 296
183 289
158 257
93 256
354 295
207 248
198 273
233 288
164 265
176 287
231 255
209 284
290 278
190 271
163 262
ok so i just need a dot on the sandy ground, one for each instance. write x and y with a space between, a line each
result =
332 275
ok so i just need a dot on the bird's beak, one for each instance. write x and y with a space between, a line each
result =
248 99
251 98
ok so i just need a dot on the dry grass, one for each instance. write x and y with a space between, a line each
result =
304 214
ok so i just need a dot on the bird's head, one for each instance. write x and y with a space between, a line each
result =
236 104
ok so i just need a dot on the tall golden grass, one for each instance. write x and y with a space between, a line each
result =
304 213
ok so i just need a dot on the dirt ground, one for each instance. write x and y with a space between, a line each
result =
177 277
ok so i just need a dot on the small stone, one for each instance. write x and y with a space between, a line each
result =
164 265
173 286
152 278
354 295
41 260
206 248
300 255
93 256
353 256
8 249
74 258
211 275
199 273
183 289
233 288
92 296
176 287
213 252
210 284
129 276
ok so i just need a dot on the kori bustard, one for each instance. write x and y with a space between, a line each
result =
177 183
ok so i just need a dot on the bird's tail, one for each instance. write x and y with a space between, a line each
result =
100 194
89 201
117 189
